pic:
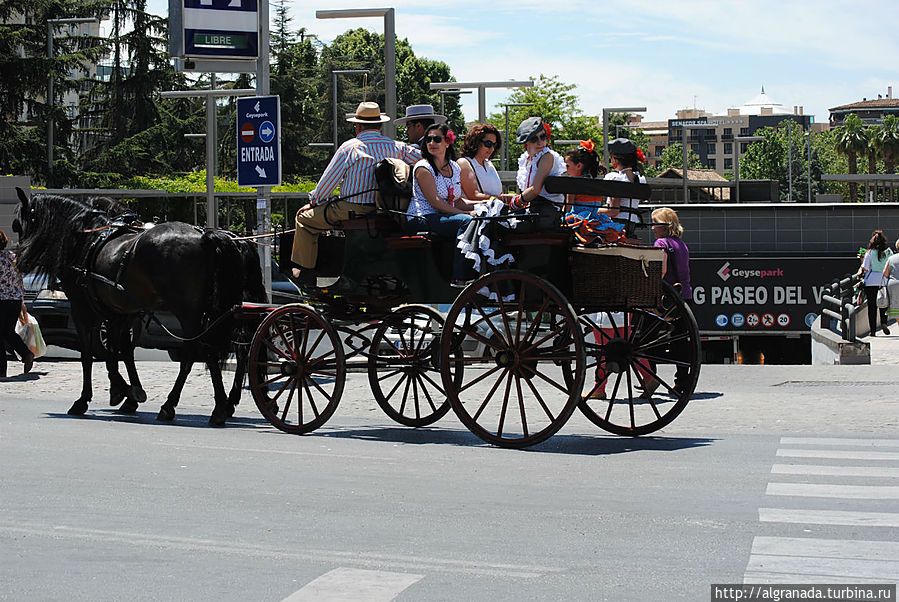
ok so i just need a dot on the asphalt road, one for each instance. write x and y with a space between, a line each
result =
773 474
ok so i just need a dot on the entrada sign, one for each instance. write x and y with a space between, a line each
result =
259 141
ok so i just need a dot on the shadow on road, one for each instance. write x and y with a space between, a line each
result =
149 418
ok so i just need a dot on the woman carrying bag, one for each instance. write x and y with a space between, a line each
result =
12 304
873 265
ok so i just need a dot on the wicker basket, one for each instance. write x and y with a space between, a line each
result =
616 277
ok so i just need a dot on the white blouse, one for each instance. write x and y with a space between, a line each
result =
419 205
620 176
486 176
527 169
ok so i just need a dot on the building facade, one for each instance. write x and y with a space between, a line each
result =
871 111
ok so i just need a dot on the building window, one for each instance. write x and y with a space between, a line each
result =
694 148
712 163
728 148
712 149
729 132
728 163
659 151
744 131
743 147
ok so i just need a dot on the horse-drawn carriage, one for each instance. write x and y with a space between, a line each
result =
565 327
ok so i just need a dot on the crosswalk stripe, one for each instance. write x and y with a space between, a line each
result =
845 455
825 568
826 548
829 517
766 577
836 441
836 471
359 585
862 492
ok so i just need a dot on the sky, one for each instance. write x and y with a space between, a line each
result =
662 55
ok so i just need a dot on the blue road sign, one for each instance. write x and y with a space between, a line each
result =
227 29
259 141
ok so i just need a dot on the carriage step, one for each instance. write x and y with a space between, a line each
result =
408 242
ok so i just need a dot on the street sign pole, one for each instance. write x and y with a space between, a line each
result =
264 193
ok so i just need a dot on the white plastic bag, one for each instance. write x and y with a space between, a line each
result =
29 331
883 298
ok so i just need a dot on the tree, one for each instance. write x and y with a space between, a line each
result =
673 156
886 139
25 69
852 139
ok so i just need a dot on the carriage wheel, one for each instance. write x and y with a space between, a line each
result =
297 369
404 366
645 365
509 388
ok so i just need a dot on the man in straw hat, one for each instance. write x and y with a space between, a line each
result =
417 120
353 169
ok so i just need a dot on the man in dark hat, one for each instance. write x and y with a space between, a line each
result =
353 169
417 121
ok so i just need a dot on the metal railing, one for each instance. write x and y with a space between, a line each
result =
839 311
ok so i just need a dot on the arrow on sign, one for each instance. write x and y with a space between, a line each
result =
266 132
256 106
260 171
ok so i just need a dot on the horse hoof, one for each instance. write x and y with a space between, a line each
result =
137 394
129 407
116 397
165 414
78 408
217 420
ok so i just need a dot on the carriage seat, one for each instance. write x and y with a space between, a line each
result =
373 222
530 239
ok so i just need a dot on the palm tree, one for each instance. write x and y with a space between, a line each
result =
886 140
852 139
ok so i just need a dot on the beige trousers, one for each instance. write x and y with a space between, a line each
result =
312 222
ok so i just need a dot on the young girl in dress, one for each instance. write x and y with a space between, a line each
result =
583 162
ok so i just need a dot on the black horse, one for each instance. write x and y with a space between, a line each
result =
116 274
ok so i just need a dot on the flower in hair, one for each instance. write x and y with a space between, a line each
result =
548 129
450 136
587 145
640 156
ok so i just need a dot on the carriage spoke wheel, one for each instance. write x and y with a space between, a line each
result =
510 387
642 365
404 366
297 369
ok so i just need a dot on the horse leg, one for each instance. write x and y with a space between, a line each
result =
135 392
167 411
87 361
222 405
118 388
241 356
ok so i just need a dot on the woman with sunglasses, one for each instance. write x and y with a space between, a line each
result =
535 164
479 178
626 160
437 204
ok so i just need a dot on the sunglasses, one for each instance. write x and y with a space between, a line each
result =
437 139
537 138
488 143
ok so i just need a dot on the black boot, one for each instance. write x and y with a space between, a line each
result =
28 360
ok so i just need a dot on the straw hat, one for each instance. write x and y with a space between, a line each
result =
368 112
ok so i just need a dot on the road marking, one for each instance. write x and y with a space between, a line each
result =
836 471
354 584
228 546
836 441
844 455
871 560
857 492
829 517
826 548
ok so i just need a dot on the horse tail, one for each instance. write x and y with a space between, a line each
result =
226 290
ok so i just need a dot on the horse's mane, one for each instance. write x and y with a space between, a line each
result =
54 233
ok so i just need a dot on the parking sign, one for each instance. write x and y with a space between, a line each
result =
259 141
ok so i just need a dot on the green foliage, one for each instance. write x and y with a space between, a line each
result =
885 139
673 156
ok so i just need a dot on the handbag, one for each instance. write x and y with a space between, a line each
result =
883 297
30 332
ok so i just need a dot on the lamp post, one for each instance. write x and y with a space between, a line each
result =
685 164
605 126
443 93
334 75
52 24
481 86
808 137
389 15
739 140
506 133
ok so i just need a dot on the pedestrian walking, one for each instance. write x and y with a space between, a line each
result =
12 304
873 265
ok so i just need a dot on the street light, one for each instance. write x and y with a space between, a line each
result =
443 93
389 15
739 140
605 126
506 133
481 86
334 75
808 136
683 138
52 24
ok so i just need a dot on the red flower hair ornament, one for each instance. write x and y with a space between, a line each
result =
587 145
640 156
548 130
450 136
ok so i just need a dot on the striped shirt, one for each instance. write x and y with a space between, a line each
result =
353 166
